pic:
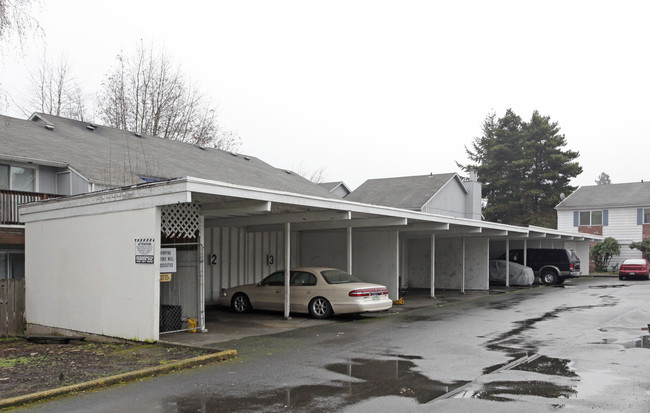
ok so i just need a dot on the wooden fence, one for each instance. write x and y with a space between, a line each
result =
12 307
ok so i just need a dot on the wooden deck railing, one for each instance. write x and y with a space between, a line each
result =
10 200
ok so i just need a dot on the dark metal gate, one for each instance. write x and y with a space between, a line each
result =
181 301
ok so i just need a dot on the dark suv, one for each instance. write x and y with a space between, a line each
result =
551 265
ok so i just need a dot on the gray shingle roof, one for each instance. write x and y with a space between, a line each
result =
408 192
612 195
109 156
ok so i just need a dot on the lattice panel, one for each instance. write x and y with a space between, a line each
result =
180 220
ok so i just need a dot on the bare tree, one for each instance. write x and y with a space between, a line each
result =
317 176
55 91
16 20
145 93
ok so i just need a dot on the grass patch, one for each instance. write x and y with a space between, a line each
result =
19 360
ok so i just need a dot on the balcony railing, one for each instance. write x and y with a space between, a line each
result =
10 200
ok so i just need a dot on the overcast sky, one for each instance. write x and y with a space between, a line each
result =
371 89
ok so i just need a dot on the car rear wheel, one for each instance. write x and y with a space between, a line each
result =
549 277
319 307
240 303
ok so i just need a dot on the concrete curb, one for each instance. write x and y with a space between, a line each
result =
119 378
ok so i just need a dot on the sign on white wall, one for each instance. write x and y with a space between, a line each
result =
144 250
167 260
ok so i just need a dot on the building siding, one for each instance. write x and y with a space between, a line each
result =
622 226
449 201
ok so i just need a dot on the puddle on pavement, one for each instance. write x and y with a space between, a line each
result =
514 344
549 366
500 390
610 286
373 378
641 342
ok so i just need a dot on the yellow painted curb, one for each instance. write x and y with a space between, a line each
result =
119 378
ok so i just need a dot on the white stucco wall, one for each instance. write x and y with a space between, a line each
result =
374 254
324 249
81 274
417 268
582 251
449 263
477 275
375 258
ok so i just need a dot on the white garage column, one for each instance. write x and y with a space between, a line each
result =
433 265
462 285
349 250
287 270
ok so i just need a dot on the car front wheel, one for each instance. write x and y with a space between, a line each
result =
240 303
549 278
319 307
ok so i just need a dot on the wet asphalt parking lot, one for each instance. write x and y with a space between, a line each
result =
580 347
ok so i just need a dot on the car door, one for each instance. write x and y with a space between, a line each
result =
302 290
269 294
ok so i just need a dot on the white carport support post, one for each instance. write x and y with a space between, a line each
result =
462 285
349 254
287 270
507 262
433 265
202 276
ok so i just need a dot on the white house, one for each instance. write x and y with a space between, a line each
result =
620 211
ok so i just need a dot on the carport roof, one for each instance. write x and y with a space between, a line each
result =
227 204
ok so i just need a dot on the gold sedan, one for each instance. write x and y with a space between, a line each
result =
320 292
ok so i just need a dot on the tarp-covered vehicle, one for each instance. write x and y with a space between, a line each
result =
519 274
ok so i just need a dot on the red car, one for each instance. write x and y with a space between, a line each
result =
638 267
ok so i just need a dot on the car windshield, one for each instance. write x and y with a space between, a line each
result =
634 262
339 277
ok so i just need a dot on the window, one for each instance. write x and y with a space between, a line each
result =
596 217
12 265
17 178
591 218
302 278
646 215
4 176
274 280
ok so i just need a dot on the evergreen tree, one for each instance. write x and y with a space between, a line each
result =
523 168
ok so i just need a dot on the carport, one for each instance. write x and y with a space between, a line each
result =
93 261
